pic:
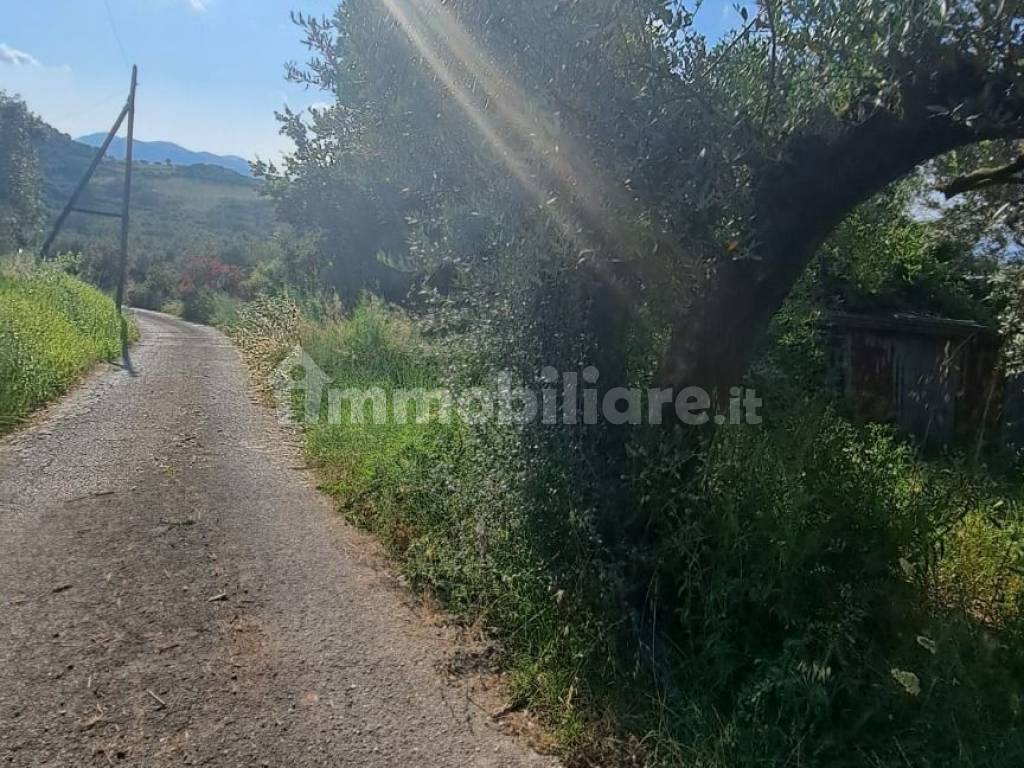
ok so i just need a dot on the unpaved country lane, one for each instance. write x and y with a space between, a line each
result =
174 592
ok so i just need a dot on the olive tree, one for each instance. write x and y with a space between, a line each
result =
696 180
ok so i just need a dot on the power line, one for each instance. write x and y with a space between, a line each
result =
117 37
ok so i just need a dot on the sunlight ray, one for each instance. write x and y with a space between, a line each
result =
551 165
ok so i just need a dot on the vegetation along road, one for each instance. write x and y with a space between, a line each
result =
174 592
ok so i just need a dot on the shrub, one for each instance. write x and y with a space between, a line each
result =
210 308
173 307
808 561
265 330
158 288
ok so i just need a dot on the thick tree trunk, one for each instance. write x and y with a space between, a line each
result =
799 200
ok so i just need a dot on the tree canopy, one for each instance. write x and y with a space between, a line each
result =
695 179
20 183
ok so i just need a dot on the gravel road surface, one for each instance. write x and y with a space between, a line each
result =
174 591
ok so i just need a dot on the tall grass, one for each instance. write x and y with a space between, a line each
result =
52 328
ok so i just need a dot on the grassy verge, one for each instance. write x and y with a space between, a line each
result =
817 595
52 329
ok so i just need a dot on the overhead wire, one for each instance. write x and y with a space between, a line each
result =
117 36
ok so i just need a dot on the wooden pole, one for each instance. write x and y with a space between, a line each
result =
126 203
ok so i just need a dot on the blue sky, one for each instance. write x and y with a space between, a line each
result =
210 71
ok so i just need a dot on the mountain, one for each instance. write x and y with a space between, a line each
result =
174 208
162 151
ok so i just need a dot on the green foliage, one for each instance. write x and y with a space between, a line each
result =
565 182
52 328
159 286
882 259
210 307
20 184
449 500
817 594
835 544
398 177
374 345
980 572
1008 285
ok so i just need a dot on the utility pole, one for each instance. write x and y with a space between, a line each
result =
72 205
126 204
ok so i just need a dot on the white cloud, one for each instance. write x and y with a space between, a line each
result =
18 58
199 6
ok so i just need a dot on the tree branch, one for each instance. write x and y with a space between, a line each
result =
986 177
799 200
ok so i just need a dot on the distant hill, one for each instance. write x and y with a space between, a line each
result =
174 208
162 151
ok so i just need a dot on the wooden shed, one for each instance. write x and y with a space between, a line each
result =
937 380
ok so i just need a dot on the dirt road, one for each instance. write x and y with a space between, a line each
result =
174 592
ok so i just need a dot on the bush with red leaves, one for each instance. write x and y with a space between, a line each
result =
208 272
